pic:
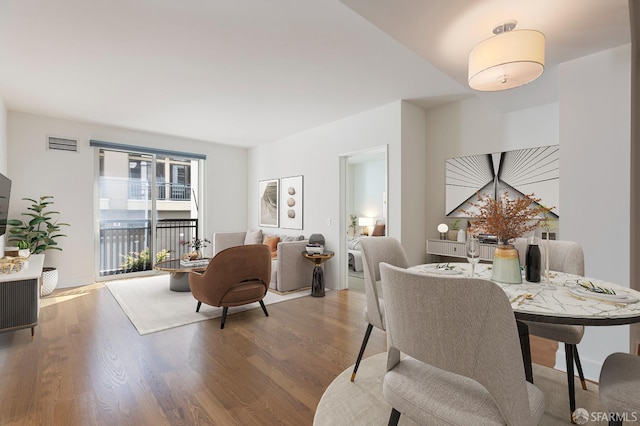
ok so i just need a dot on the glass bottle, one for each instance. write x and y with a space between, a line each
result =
533 261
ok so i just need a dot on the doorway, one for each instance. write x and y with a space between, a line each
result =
364 185
148 210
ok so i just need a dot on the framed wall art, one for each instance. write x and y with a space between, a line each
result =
292 202
519 172
268 202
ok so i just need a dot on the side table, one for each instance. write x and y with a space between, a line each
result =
317 284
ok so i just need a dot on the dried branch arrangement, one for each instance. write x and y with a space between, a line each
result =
506 218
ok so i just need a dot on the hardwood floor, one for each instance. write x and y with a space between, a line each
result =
88 365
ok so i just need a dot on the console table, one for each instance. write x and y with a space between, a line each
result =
20 296
458 249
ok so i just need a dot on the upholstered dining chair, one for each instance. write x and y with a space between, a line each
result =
620 387
564 256
462 361
235 276
376 250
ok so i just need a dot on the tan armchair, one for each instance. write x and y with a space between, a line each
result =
235 276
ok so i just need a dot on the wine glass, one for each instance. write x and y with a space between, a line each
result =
473 252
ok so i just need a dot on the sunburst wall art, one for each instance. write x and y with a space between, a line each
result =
523 171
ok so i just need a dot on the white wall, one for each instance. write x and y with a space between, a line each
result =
591 123
315 154
472 127
595 125
3 151
70 178
414 183
368 183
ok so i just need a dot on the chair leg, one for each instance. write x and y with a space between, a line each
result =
224 316
568 352
394 417
264 308
362 348
576 358
198 307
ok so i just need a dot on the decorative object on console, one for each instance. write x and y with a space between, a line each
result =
268 202
365 223
40 233
507 219
291 200
443 229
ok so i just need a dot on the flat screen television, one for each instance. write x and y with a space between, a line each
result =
5 192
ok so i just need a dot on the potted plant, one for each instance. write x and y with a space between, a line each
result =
453 231
39 233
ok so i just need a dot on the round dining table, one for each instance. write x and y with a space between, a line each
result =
564 299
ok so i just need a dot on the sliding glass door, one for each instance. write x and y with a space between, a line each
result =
147 209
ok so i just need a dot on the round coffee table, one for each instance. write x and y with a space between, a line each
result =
179 274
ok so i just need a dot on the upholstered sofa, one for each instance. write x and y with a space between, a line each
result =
289 269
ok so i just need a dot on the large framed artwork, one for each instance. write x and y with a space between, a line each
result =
519 172
292 202
268 202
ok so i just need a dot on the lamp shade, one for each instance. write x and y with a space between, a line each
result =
365 221
507 60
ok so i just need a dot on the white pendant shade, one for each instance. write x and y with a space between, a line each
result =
507 60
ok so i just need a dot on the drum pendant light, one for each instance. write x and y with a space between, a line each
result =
507 60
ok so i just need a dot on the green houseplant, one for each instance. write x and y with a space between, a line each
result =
39 233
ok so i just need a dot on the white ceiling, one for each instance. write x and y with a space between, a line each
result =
246 72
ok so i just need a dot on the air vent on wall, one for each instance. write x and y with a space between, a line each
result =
62 144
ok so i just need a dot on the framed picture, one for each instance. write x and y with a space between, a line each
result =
524 171
292 202
269 192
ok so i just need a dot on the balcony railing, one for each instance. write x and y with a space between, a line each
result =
119 239
141 190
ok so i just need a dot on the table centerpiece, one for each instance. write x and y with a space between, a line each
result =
506 219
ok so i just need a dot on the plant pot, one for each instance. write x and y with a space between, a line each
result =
506 265
49 280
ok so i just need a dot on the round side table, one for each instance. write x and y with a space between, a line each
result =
317 284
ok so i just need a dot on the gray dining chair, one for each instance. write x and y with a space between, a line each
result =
568 257
462 362
376 250
620 387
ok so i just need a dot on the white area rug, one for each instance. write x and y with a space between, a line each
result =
151 306
361 402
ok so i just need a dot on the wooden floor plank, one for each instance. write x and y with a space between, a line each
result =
89 366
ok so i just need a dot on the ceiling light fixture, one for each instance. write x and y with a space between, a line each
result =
507 60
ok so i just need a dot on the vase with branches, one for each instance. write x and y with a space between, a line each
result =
506 219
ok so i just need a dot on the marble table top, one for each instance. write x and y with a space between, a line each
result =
565 300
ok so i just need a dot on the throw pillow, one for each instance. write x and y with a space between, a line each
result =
272 243
378 230
253 237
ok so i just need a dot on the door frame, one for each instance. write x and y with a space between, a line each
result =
344 158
